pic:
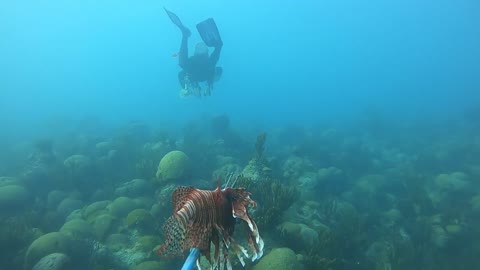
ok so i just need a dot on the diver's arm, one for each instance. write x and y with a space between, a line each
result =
213 60
183 53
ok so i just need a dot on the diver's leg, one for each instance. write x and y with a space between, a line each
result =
208 91
197 91
181 79
184 84
183 53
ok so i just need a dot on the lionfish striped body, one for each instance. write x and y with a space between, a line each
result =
204 217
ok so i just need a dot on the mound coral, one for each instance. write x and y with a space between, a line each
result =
140 218
121 206
77 228
147 243
46 244
279 259
78 164
54 261
12 196
173 166
451 182
150 265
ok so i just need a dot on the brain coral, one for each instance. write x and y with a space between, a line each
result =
174 165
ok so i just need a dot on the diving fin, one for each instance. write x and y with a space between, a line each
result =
209 32
176 20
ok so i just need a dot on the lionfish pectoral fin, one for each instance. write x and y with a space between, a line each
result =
260 248
198 264
241 253
229 264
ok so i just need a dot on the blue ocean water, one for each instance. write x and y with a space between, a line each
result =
361 116
290 61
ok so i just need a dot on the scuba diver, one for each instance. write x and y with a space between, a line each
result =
201 67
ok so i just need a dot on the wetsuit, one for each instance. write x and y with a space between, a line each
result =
197 68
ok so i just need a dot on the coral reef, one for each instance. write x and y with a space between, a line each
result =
374 195
273 198
260 145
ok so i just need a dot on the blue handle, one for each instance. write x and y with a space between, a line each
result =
191 259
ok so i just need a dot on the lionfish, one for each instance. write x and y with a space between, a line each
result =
205 217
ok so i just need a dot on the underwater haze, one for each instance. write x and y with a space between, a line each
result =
286 62
354 124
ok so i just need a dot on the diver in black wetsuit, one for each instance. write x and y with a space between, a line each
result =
201 67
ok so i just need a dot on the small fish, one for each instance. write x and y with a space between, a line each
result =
175 55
